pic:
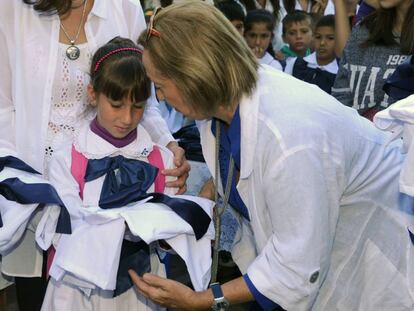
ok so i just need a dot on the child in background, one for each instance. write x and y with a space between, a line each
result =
234 13
297 33
258 33
110 165
321 66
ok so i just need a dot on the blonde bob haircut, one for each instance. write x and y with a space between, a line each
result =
203 54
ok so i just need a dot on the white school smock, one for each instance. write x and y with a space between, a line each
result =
268 59
88 258
28 48
321 188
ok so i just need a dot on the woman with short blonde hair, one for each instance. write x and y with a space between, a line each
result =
314 184
208 72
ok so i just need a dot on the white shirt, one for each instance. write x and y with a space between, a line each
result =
29 55
321 188
267 59
97 231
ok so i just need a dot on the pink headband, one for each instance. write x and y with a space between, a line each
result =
98 63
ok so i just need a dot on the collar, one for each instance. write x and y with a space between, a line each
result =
332 67
249 114
266 59
93 146
100 8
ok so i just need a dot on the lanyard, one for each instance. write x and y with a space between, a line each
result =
218 211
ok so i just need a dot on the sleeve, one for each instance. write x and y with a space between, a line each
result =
292 264
154 123
168 159
264 302
7 115
60 177
290 62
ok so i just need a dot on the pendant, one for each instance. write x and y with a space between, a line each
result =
72 52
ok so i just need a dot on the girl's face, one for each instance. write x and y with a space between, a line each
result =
299 37
167 90
324 44
258 38
120 117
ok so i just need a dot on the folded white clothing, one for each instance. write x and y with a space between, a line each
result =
399 119
92 252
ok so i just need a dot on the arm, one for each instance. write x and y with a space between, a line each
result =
159 132
341 89
173 294
342 27
299 211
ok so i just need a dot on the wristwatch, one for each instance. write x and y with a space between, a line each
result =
220 303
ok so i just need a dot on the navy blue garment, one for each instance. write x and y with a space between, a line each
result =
128 180
13 189
124 177
401 83
135 256
230 147
324 79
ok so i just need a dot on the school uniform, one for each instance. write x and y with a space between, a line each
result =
318 182
307 69
111 232
268 59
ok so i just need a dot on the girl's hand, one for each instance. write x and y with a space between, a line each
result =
319 7
168 293
181 170
258 52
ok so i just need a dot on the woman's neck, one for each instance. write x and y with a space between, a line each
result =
226 113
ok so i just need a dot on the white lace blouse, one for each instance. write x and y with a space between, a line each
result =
69 99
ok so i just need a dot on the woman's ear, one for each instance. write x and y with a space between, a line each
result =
91 95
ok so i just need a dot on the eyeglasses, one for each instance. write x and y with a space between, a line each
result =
151 31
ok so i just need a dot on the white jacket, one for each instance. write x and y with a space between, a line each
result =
318 182
28 49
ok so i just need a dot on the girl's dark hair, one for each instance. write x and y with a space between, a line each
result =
250 5
59 7
380 26
261 16
120 75
232 10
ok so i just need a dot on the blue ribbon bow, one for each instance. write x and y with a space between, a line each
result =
128 180
13 189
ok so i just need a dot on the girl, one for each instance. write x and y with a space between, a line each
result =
112 162
278 12
43 89
258 33
376 47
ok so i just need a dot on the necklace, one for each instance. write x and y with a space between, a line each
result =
73 52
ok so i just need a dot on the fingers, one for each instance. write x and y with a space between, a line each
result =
139 283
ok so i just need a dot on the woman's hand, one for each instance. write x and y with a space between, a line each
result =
169 293
181 170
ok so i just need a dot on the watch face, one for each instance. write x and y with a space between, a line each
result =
221 305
